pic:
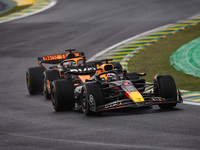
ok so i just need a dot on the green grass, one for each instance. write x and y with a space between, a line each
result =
15 9
155 59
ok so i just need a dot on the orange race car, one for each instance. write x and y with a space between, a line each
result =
39 78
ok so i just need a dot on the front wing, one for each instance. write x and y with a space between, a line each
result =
125 103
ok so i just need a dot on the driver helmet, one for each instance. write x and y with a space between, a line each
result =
112 77
69 63
73 63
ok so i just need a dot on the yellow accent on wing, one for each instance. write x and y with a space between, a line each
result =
136 96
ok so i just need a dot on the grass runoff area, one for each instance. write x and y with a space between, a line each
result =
14 10
155 59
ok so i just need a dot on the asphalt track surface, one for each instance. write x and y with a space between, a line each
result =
29 122
2 6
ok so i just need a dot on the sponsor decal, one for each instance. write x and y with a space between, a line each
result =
126 83
82 69
54 57
157 99
113 104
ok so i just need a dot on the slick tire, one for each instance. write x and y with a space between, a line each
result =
91 97
34 80
49 75
62 95
167 89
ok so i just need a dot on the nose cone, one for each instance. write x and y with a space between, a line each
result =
135 96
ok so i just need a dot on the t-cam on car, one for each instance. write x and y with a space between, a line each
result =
114 89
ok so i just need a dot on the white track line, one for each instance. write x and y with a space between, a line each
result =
125 41
123 146
191 103
53 3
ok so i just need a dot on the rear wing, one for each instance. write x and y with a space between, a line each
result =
52 59
57 58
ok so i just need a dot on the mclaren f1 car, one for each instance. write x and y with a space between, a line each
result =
39 78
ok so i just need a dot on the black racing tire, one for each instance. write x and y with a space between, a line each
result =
50 75
167 89
62 95
167 106
92 96
34 80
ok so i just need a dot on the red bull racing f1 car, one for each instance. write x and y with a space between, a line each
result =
111 88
